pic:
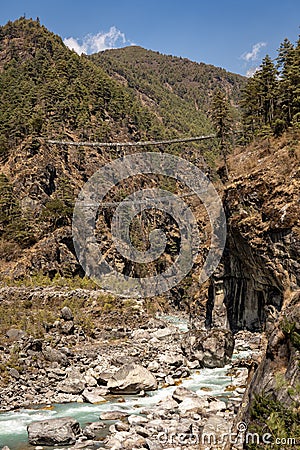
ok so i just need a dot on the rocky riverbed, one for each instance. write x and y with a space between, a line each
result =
150 387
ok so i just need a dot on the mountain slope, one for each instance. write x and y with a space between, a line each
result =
47 90
177 89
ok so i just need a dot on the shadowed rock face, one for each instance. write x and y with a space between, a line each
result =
257 286
261 259
279 371
249 285
54 431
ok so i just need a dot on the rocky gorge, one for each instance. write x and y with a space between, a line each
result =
105 364
200 365
252 300
158 355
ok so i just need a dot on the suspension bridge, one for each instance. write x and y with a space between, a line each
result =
130 144
134 144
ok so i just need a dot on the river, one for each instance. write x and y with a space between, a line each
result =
13 424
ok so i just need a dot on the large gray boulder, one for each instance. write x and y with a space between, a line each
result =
61 431
94 395
211 348
15 334
73 384
53 355
182 393
192 405
113 415
131 379
172 359
164 333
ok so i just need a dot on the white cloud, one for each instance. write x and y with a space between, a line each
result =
73 44
253 54
250 72
93 43
104 41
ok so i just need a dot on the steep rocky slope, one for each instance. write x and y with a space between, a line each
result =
261 259
258 285
47 91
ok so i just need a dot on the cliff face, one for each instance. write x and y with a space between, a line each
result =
272 401
261 259
258 284
279 372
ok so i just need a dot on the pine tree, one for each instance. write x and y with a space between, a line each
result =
260 99
8 206
251 109
285 59
13 226
222 120
294 80
268 89
59 208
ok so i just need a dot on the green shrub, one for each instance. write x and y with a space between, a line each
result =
271 416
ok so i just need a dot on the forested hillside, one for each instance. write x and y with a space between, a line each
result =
48 90
178 90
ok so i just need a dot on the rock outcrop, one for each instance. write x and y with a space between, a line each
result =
259 282
261 259
278 375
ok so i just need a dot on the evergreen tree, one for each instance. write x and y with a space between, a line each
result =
250 104
268 89
271 99
59 209
222 120
285 59
259 99
13 226
294 80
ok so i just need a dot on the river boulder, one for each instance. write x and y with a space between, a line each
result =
182 393
94 396
62 431
211 348
113 415
131 379
73 384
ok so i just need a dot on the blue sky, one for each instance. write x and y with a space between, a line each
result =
234 34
